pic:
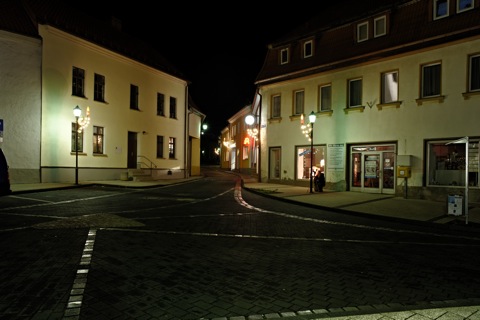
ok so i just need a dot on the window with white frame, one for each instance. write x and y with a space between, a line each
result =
325 97
474 73
440 9
354 93
464 5
431 80
389 86
98 138
446 163
298 103
362 31
308 48
284 56
380 26
276 106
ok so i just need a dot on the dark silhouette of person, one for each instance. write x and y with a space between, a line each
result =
319 181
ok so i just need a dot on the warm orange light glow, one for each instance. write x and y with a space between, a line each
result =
246 141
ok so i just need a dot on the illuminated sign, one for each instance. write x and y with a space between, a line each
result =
246 141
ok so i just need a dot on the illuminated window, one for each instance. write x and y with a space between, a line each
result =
389 87
98 135
79 146
171 148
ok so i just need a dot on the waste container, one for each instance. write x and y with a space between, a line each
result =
455 205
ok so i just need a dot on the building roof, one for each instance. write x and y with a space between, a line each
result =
410 26
23 16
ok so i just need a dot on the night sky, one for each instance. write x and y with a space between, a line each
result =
219 49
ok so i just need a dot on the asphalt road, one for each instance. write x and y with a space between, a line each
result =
209 250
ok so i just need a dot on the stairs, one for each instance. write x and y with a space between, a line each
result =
140 174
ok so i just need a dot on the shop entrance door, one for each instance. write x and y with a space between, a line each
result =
373 172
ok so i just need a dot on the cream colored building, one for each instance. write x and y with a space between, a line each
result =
392 85
141 119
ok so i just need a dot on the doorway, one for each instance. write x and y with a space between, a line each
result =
132 150
372 169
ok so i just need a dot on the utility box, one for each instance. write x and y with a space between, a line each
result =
455 205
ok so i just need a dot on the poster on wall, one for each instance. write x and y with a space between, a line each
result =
336 156
370 169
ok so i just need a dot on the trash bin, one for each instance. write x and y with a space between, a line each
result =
124 176
454 205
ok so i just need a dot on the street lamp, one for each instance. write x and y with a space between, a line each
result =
311 118
76 112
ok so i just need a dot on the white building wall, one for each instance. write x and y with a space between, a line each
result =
20 105
409 125
62 52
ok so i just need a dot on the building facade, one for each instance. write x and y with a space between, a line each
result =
395 90
136 112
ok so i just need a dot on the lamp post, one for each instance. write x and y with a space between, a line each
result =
311 118
76 112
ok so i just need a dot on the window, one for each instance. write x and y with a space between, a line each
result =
431 76
284 56
79 146
97 140
171 148
362 32
354 93
160 104
99 88
464 5
276 106
389 87
308 48
380 26
159 146
173 108
305 161
446 163
474 73
78 82
298 103
325 97
133 97
440 9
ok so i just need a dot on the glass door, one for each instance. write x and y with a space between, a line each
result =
373 171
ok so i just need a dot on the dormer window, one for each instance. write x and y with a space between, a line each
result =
308 48
440 9
284 56
380 26
464 5
362 31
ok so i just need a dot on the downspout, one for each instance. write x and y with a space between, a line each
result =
259 137
186 141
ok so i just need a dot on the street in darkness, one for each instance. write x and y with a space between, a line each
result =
208 249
